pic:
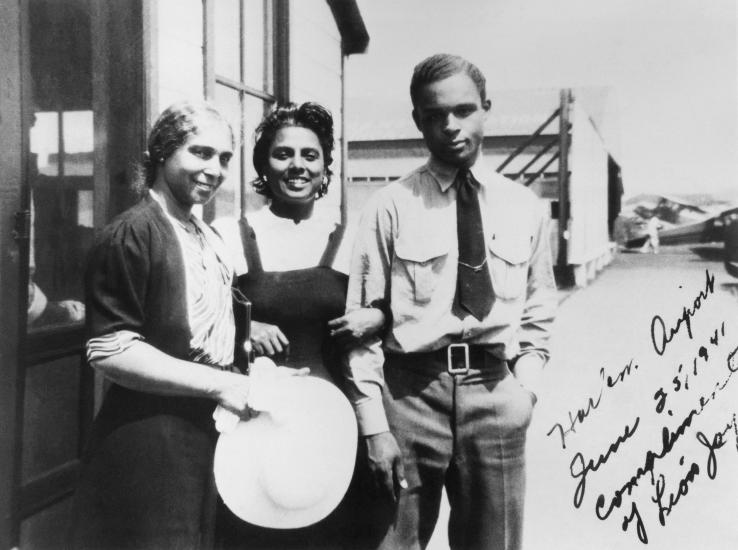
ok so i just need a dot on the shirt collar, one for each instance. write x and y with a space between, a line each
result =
445 174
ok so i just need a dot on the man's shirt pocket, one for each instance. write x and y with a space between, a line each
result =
509 256
419 266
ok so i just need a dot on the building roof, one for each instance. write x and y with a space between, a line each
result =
514 113
354 36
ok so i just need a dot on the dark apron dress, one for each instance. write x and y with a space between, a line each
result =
300 302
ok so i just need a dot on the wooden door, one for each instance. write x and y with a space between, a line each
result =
74 103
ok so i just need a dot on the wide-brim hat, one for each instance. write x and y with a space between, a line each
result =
291 465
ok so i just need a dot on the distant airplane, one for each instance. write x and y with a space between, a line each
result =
685 223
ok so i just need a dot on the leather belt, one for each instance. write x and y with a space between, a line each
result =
455 358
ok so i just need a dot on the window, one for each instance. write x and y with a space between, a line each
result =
241 42
60 161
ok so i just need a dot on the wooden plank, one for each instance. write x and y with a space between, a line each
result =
48 489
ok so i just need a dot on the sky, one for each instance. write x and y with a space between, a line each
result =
672 66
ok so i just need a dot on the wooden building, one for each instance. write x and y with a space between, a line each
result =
82 80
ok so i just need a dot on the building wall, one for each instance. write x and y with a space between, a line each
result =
588 188
316 74
177 52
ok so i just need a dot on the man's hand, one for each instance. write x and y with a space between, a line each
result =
355 327
385 465
267 339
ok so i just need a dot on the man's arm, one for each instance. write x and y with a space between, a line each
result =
369 283
369 286
538 312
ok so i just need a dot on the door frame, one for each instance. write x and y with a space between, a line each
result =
11 263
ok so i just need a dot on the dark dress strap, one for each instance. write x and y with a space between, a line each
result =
250 246
331 248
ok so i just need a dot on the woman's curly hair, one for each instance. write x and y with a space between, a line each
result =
308 115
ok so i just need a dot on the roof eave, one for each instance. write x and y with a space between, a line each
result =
354 36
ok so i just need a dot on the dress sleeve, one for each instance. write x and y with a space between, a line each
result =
117 282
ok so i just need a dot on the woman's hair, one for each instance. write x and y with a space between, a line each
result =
308 115
172 129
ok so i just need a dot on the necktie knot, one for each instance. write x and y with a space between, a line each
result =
466 188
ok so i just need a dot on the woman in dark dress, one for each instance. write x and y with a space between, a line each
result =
161 328
284 260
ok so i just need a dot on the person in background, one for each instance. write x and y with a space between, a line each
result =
43 312
161 328
653 225
459 256
284 261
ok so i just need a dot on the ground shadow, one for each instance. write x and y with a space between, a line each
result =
714 253
730 288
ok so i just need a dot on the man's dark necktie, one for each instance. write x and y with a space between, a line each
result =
473 288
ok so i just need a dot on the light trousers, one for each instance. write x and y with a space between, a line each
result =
465 433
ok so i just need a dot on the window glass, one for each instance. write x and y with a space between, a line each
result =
44 139
227 41
255 70
78 143
228 198
254 109
60 165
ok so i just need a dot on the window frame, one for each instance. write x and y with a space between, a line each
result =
276 63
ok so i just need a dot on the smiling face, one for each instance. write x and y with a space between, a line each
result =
451 114
295 167
195 171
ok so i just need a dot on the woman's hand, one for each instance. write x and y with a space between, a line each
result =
234 395
268 339
357 326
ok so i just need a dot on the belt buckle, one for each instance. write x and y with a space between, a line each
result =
457 358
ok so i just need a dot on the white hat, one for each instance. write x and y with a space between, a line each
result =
291 465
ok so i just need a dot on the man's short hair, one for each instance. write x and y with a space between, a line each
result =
443 65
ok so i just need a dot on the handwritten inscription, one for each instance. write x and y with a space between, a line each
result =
669 438
580 415
579 468
661 337
664 475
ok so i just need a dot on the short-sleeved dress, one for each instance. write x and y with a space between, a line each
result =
147 479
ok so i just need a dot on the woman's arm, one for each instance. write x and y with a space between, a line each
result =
143 367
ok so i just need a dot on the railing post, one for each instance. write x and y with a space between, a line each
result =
562 268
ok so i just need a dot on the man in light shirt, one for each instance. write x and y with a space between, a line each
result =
458 257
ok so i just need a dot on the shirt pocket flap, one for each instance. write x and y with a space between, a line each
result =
514 250
420 264
423 249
